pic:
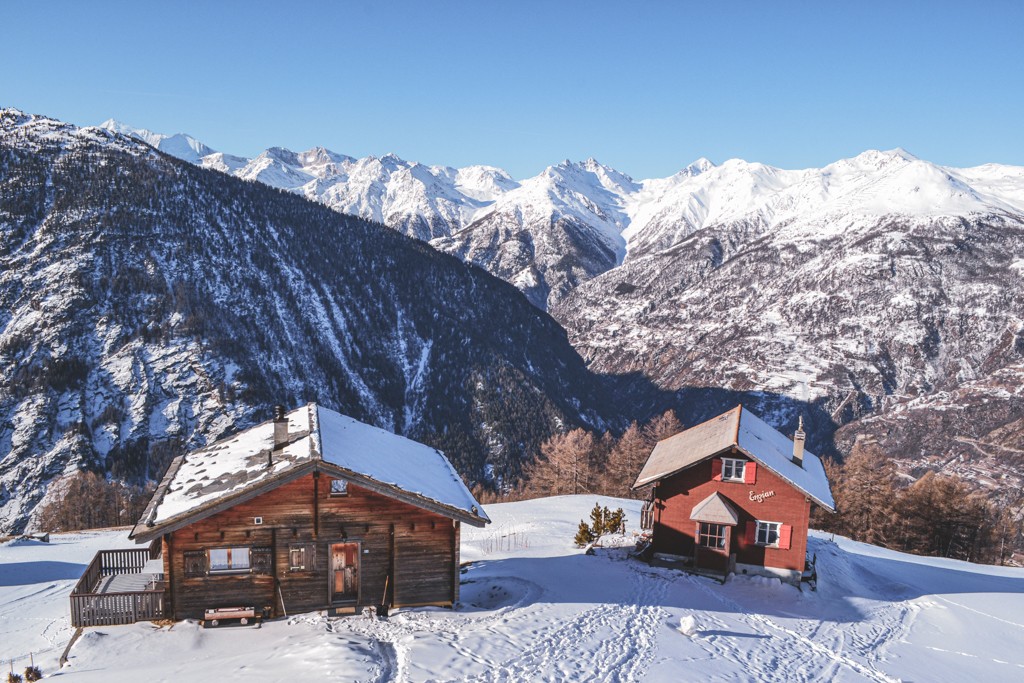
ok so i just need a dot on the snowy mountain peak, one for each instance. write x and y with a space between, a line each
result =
11 117
878 159
178 145
520 228
701 165
322 155
282 154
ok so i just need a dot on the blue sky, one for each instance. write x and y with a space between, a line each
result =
646 87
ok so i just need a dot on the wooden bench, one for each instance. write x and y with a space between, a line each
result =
214 617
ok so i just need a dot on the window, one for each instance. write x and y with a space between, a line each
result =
299 558
768 533
339 487
195 563
228 559
732 469
711 535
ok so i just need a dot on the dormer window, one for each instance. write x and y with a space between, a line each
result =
735 470
339 487
732 469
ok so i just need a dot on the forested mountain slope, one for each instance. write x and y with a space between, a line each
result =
147 305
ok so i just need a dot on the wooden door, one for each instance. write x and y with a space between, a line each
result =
344 572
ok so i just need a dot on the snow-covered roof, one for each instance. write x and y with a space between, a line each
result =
757 440
392 459
206 480
715 509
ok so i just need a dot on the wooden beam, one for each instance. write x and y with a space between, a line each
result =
456 569
316 504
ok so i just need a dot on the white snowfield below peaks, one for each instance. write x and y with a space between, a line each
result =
534 608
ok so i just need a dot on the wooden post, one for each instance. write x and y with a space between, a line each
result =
316 504
391 566
455 561
169 565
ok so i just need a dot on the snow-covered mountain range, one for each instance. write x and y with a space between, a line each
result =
147 305
879 286
549 233
881 295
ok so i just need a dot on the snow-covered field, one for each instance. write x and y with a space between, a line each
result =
537 609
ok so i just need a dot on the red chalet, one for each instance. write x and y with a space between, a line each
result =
734 495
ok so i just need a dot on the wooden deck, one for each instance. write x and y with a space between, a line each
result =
116 589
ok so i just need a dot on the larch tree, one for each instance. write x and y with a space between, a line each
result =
661 427
864 488
565 466
625 459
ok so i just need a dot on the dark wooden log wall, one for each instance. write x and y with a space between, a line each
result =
304 512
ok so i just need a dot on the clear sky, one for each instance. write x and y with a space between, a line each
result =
645 87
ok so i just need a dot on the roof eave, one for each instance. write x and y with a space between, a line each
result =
414 499
219 505
652 479
789 481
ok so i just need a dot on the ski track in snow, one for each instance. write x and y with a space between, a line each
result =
827 642
585 646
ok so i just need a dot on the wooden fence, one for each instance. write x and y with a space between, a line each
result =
647 515
89 607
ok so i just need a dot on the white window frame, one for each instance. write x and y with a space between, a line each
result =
703 535
339 487
236 560
730 467
765 530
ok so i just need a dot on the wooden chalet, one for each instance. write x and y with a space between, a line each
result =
311 511
733 495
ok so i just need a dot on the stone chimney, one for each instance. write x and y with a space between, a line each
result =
798 444
280 428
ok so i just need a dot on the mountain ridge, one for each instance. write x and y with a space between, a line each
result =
575 220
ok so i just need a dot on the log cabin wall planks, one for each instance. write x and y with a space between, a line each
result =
304 513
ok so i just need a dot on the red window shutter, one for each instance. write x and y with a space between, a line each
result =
750 472
785 536
751 533
716 469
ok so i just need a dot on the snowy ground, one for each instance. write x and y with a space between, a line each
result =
535 608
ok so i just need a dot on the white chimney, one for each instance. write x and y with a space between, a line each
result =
798 444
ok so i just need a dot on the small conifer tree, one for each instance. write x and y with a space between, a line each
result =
597 516
614 522
584 536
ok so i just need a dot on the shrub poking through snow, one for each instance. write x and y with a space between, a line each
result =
32 673
602 521
13 678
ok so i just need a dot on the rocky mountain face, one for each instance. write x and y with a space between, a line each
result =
545 234
884 291
974 431
879 296
147 305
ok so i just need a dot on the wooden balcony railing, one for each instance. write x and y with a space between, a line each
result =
93 606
